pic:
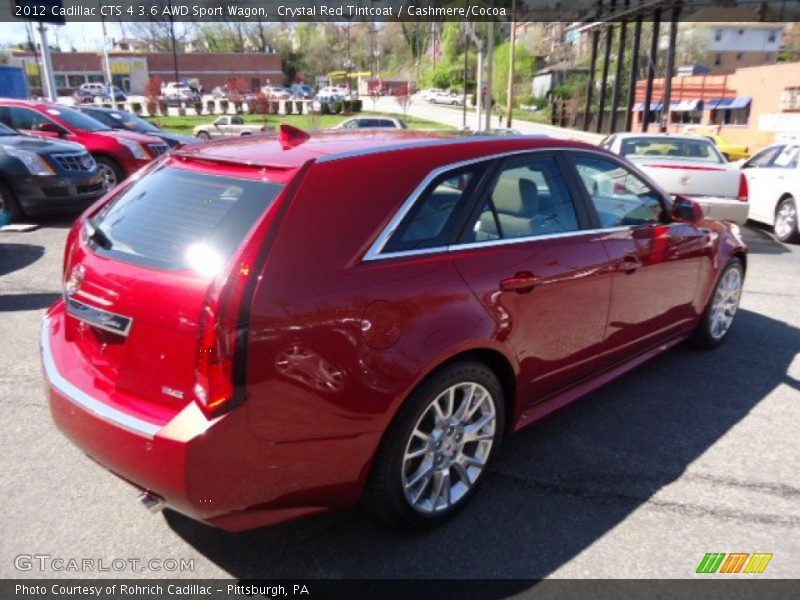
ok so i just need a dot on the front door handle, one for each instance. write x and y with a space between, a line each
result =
522 283
629 264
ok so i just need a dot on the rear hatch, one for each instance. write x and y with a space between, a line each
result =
139 275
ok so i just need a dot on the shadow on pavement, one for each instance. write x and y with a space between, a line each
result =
557 487
14 302
761 240
14 257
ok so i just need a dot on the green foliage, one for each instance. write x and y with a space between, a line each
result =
524 67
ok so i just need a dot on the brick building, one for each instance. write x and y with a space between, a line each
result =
132 70
754 106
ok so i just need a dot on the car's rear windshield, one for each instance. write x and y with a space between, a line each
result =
681 148
162 219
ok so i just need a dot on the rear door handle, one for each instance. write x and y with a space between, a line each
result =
522 283
629 264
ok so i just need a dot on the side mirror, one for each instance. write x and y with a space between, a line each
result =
686 210
49 127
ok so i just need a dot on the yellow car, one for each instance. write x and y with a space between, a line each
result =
731 152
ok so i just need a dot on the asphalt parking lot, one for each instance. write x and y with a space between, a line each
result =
692 453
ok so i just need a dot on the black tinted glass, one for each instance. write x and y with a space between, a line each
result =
170 210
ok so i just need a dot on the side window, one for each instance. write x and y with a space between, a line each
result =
619 197
764 158
787 159
529 198
437 215
25 118
351 124
237 121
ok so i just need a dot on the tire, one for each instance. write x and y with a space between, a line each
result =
203 135
10 209
402 490
719 315
245 134
112 172
787 224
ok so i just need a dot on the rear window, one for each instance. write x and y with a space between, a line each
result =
697 149
172 216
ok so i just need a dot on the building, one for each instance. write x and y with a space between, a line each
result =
725 39
132 70
754 106
553 76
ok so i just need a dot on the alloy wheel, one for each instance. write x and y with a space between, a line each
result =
449 447
726 303
109 176
786 220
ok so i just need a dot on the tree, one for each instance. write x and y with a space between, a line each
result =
157 34
524 67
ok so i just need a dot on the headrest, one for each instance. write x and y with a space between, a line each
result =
516 197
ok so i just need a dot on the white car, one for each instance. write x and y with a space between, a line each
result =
227 126
689 166
95 89
430 93
275 91
773 182
447 98
372 123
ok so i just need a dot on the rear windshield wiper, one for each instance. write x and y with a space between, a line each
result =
97 235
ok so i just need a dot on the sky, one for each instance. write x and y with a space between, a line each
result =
84 36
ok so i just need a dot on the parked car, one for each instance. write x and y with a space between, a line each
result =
125 121
95 89
731 152
303 342
227 126
112 93
687 165
81 96
44 176
447 98
118 153
219 92
302 90
372 123
773 181
276 92
428 94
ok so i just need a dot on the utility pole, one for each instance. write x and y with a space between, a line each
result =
172 37
489 71
46 75
510 91
466 75
470 29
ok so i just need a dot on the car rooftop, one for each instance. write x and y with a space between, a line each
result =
292 147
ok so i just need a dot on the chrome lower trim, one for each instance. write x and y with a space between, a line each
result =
84 400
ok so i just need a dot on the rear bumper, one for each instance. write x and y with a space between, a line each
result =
724 209
214 471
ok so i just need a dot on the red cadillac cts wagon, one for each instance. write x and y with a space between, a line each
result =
260 329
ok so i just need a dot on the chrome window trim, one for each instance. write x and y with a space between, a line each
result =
503 242
84 400
375 251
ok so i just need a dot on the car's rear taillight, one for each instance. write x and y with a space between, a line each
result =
69 248
743 191
215 388
225 319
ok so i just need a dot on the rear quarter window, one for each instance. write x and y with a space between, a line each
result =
170 212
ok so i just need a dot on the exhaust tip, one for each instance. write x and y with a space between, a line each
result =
152 502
